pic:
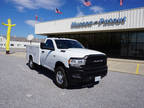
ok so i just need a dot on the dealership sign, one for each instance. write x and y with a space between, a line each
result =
103 21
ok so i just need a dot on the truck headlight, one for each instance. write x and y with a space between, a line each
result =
76 62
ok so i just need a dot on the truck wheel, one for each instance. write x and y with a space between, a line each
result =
60 78
31 63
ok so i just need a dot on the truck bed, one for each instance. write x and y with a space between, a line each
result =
34 51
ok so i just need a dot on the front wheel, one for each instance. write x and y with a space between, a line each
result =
31 63
61 78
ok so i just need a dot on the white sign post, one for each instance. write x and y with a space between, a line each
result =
30 37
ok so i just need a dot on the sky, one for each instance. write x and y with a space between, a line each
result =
23 12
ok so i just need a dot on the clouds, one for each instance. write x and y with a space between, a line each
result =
97 9
36 4
80 13
31 22
20 8
93 9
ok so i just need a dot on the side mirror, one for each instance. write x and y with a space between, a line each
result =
42 46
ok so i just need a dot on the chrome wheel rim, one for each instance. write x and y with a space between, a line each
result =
59 77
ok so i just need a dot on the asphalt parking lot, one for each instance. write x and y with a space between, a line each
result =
21 87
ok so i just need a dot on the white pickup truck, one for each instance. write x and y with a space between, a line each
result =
71 62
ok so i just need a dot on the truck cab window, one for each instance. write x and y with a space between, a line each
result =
49 44
65 44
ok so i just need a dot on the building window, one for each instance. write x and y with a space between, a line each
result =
127 44
18 45
12 44
140 44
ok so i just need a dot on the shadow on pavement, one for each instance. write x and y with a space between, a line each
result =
44 71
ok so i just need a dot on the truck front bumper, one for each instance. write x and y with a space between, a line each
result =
85 75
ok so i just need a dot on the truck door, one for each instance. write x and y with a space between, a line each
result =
47 55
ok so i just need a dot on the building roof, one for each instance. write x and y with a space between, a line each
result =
129 20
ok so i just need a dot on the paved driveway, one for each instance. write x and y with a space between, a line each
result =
21 87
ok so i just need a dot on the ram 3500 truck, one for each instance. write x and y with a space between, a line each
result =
71 62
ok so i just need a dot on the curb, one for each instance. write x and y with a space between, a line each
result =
126 60
126 72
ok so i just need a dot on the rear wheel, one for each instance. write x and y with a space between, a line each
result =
31 63
61 78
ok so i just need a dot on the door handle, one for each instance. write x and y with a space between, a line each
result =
43 51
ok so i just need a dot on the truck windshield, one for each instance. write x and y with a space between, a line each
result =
65 44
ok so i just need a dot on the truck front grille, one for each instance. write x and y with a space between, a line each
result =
96 61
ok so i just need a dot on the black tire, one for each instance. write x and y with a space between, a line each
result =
31 63
61 78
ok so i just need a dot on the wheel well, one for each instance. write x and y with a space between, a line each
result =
30 57
59 64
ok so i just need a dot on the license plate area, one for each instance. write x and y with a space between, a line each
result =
97 78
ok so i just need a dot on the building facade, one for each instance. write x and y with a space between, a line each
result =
118 34
18 42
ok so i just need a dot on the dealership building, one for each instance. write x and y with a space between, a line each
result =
118 34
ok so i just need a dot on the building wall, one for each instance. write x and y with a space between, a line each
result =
134 20
15 44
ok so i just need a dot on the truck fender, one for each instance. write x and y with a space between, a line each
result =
30 57
58 63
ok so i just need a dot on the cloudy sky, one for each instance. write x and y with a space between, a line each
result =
23 12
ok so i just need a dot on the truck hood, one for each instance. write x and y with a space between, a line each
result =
80 53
